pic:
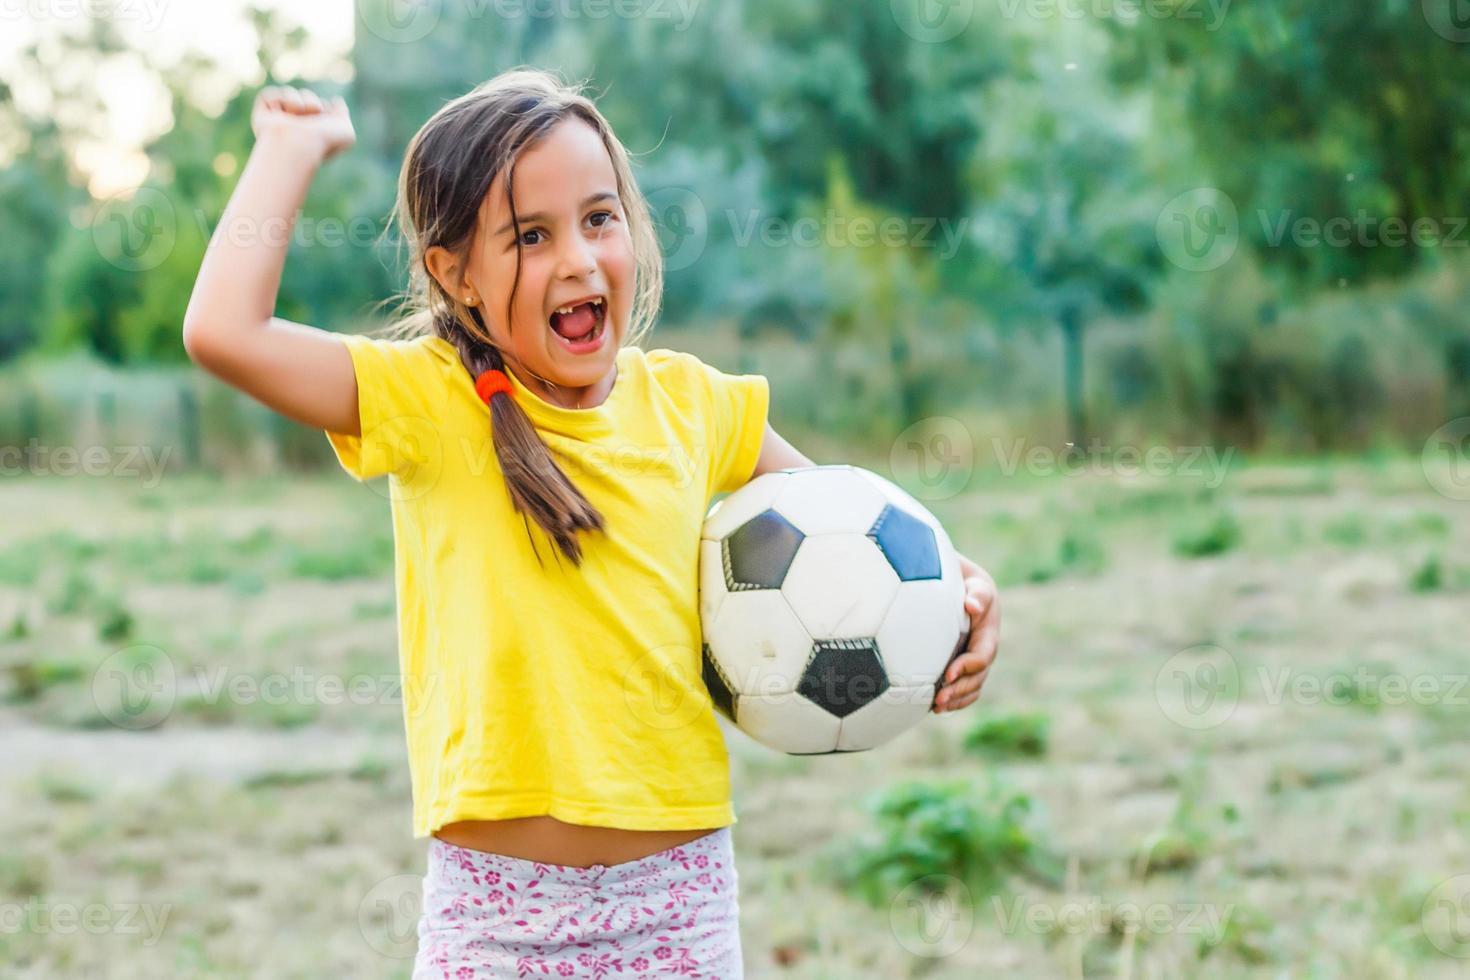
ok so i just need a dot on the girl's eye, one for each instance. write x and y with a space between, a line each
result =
533 231
607 215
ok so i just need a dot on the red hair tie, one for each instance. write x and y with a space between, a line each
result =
491 381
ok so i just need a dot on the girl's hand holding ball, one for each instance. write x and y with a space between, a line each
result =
965 675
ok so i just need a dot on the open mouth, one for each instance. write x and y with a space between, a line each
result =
581 325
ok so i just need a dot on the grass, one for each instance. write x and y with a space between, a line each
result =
1323 825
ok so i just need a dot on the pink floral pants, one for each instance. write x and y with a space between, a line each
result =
674 913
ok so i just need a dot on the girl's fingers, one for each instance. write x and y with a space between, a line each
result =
955 690
964 702
984 645
966 685
288 100
979 595
299 102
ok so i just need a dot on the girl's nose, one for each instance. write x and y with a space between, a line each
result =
575 259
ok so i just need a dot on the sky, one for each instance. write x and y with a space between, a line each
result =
161 31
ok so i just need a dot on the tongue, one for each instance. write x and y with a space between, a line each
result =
576 324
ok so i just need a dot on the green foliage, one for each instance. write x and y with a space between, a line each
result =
1074 550
358 556
1313 134
920 829
31 678
1193 831
1428 576
58 788
114 620
1348 531
1216 534
1248 934
1050 144
1013 735
34 219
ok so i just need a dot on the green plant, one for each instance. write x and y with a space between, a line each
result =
1019 735
1247 934
64 789
1428 577
1214 536
919 829
114 621
357 556
75 593
1189 835
1348 531
1082 552
29 679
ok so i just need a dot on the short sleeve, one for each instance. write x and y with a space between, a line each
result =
401 391
737 421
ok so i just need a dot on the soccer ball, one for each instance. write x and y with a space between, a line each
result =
831 602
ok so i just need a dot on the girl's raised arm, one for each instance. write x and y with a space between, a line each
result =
229 328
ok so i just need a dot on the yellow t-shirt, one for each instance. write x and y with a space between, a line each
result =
538 687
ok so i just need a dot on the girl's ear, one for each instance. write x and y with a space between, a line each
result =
442 265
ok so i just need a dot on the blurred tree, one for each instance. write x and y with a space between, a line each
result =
1319 111
32 212
1067 210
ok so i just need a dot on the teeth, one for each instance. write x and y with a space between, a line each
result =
564 310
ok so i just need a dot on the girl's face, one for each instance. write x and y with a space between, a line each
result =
576 257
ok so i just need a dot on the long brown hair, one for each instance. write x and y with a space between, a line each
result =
447 171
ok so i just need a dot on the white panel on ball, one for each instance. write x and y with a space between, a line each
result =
830 499
740 506
787 722
894 711
759 643
840 586
896 494
914 643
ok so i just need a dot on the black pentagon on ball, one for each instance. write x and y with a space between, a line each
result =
714 679
843 675
960 646
908 544
758 553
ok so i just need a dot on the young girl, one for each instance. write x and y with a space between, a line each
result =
549 480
